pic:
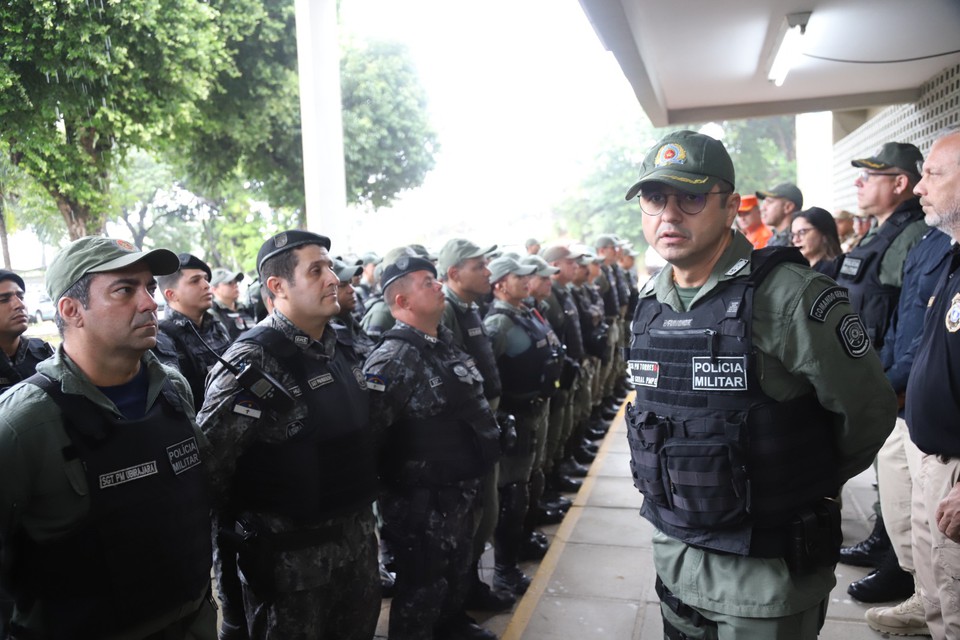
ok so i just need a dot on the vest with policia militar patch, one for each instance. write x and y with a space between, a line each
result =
720 464
145 547
477 343
327 464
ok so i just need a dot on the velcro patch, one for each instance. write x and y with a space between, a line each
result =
826 301
473 332
375 382
435 382
737 266
136 472
319 381
724 373
853 336
184 455
643 373
851 266
247 408
358 376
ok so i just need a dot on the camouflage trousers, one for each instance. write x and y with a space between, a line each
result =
430 533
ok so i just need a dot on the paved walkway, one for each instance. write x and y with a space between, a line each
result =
597 579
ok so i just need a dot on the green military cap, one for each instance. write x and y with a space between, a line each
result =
543 269
457 250
287 240
785 190
392 256
505 265
222 276
558 252
421 251
530 242
97 254
404 266
586 254
893 155
369 258
346 272
690 161
605 240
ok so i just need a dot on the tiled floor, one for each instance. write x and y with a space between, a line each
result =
597 579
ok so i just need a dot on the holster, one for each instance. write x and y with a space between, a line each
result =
814 538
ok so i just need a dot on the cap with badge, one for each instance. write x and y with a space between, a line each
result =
346 272
690 161
223 276
97 254
505 265
190 261
287 240
10 275
893 155
543 269
457 250
785 190
403 266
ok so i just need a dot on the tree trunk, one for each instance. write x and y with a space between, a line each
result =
3 238
77 217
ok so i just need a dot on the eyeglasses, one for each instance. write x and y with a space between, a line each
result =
654 202
799 233
865 176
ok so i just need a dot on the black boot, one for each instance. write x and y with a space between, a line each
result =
481 597
508 539
869 552
887 583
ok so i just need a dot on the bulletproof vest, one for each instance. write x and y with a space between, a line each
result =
377 319
144 548
235 322
570 332
594 335
611 297
721 465
477 344
327 465
620 281
860 274
193 359
535 372
11 374
461 443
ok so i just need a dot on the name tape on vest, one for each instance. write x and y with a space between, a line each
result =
725 373
136 472
851 266
643 373
826 301
184 455
319 381
473 332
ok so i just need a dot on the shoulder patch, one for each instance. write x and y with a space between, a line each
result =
376 382
826 301
853 336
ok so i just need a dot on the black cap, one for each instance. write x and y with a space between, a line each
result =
287 240
404 266
10 275
190 261
893 155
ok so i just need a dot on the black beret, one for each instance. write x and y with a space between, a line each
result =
190 261
287 240
403 266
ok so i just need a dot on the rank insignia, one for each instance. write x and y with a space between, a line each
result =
953 315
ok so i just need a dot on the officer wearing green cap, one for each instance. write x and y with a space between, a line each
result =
377 317
778 206
236 318
758 396
104 508
292 459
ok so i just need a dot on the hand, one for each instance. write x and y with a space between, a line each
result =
948 514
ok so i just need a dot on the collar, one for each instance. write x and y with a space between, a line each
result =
444 335
324 347
451 295
734 262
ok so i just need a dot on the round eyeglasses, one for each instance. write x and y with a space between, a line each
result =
653 203
866 175
799 233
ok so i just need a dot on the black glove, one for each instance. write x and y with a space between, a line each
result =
508 431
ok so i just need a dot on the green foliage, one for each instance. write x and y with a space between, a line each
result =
389 145
83 81
763 150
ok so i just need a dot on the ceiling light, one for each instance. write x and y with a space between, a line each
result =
788 49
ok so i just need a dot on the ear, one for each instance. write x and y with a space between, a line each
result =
901 183
169 294
71 311
277 285
733 205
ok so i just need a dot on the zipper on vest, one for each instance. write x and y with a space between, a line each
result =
709 334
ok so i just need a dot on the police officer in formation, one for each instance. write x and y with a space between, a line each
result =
19 354
346 320
291 457
190 337
440 440
104 509
236 318
740 471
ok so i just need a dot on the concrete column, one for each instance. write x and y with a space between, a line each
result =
318 57
815 159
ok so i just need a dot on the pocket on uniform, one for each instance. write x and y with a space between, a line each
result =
646 433
73 469
708 484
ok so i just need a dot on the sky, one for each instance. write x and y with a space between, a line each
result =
522 96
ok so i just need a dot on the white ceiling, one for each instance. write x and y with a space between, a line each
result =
699 60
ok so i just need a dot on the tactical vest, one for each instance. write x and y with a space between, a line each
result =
144 549
721 465
235 322
610 295
534 373
193 359
328 466
11 374
461 443
477 344
860 274
570 332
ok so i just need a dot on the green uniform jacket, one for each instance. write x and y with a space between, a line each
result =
40 491
796 354
891 265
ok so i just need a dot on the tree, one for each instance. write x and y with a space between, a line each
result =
389 145
83 81
764 151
